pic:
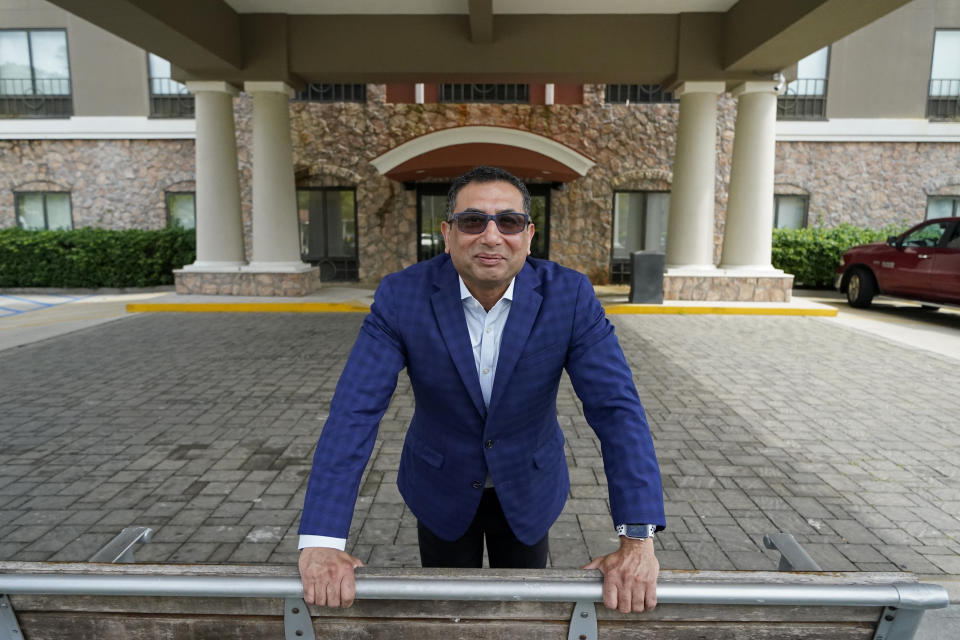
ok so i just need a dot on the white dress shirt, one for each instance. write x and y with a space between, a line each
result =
486 330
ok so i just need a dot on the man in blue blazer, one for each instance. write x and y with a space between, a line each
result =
485 333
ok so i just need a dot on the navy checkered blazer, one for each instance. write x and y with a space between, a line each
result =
417 322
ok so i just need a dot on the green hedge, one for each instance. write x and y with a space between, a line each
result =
812 254
92 258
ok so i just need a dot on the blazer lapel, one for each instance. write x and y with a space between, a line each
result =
523 313
448 309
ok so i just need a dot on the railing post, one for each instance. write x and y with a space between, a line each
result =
793 557
120 549
9 628
297 624
583 622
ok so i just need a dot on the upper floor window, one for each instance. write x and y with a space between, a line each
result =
487 93
943 207
943 100
318 92
636 93
44 210
34 73
790 211
168 98
806 97
181 209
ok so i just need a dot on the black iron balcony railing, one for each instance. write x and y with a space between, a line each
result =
943 102
35 98
170 99
318 92
485 93
804 99
637 94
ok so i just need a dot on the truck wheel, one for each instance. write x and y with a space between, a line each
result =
860 289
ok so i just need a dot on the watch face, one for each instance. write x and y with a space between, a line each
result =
640 531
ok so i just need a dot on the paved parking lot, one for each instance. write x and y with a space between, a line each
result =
202 426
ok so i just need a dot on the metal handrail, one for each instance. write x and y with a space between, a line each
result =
907 595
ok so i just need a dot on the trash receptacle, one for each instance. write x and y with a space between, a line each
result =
646 277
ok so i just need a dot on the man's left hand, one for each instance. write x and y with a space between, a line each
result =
629 576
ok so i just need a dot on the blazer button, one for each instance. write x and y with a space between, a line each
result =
488 444
477 484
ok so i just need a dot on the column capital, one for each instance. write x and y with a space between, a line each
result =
269 87
706 86
218 86
752 86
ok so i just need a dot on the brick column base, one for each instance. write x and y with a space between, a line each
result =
238 283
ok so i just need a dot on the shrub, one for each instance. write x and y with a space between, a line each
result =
812 254
93 257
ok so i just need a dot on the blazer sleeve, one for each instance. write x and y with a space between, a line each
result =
604 383
359 402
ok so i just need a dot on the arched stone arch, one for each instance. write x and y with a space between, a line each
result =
643 180
486 135
41 185
789 189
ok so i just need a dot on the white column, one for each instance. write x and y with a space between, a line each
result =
276 237
219 222
691 220
418 93
747 235
549 92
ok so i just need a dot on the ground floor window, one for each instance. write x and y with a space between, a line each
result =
432 210
328 231
943 207
44 210
181 209
790 211
639 224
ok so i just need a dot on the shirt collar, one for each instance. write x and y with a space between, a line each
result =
466 295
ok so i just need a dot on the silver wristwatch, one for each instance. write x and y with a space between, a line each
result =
637 531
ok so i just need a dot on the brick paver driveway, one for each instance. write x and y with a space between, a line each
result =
202 426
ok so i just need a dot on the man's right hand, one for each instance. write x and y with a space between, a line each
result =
327 576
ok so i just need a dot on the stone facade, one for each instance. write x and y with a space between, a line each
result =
234 283
121 183
869 184
114 184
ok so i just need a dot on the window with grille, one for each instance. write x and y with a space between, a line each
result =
168 98
34 74
639 224
637 93
182 209
488 93
943 207
790 211
943 99
317 92
44 210
328 231
806 97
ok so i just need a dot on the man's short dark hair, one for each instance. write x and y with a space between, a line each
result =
485 174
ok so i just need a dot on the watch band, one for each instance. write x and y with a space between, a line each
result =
637 531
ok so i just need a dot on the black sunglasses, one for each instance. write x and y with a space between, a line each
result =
475 222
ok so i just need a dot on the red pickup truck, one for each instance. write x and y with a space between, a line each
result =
922 264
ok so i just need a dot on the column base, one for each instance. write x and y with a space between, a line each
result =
248 283
729 285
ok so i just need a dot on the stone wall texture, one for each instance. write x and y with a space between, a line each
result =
114 184
121 183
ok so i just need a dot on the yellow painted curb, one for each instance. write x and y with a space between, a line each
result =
247 307
352 307
624 309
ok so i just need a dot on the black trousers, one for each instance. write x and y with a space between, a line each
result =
503 549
